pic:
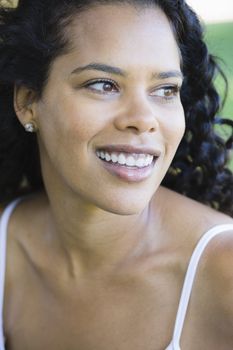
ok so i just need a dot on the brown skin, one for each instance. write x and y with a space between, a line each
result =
97 262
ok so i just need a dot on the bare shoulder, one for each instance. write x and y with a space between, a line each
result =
186 220
21 247
21 234
194 219
189 218
213 287
218 262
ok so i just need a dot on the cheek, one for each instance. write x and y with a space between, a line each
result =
173 128
68 121
83 119
68 128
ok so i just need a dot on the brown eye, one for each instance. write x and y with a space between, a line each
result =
108 87
166 92
102 87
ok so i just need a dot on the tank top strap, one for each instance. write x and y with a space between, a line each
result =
3 247
189 279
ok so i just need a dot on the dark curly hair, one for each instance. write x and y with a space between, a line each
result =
33 34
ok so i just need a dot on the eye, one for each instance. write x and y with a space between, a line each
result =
166 92
102 86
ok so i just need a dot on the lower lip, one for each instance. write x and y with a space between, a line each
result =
129 174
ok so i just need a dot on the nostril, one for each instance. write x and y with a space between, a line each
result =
137 130
152 130
133 128
137 122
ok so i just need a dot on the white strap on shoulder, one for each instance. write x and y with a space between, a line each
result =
189 278
3 246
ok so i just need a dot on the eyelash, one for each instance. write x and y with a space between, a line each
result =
175 88
99 81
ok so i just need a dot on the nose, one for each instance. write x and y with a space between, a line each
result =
138 115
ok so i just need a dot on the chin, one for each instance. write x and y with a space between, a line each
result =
125 211
127 206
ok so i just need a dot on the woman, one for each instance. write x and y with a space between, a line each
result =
96 97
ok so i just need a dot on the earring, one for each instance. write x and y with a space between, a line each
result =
30 127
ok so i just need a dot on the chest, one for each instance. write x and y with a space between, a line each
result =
130 315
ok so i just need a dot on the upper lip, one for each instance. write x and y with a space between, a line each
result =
142 149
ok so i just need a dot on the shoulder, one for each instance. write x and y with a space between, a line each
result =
21 248
181 203
188 218
218 262
198 219
5 207
216 282
212 293
19 231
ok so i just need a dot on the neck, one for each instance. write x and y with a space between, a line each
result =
99 240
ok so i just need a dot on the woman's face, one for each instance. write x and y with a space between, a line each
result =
114 96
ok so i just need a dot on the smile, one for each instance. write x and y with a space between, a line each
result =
140 160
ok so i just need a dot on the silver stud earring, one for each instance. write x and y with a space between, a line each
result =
30 127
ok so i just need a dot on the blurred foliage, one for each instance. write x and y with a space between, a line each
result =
220 43
9 3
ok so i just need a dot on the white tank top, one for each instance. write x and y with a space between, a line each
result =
186 290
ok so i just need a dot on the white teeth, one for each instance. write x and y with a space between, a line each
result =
140 162
114 157
130 160
121 159
149 159
107 157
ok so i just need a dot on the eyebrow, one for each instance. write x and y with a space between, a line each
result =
169 74
100 67
118 71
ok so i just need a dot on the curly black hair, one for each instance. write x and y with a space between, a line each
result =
33 34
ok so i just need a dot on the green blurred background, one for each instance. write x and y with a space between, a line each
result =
219 38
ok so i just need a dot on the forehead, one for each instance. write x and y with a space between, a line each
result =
124 34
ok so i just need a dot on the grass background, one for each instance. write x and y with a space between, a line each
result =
219 38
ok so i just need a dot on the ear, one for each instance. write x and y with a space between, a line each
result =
24 104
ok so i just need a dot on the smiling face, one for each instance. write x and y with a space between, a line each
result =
110 117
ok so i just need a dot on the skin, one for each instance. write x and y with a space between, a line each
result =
103 258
